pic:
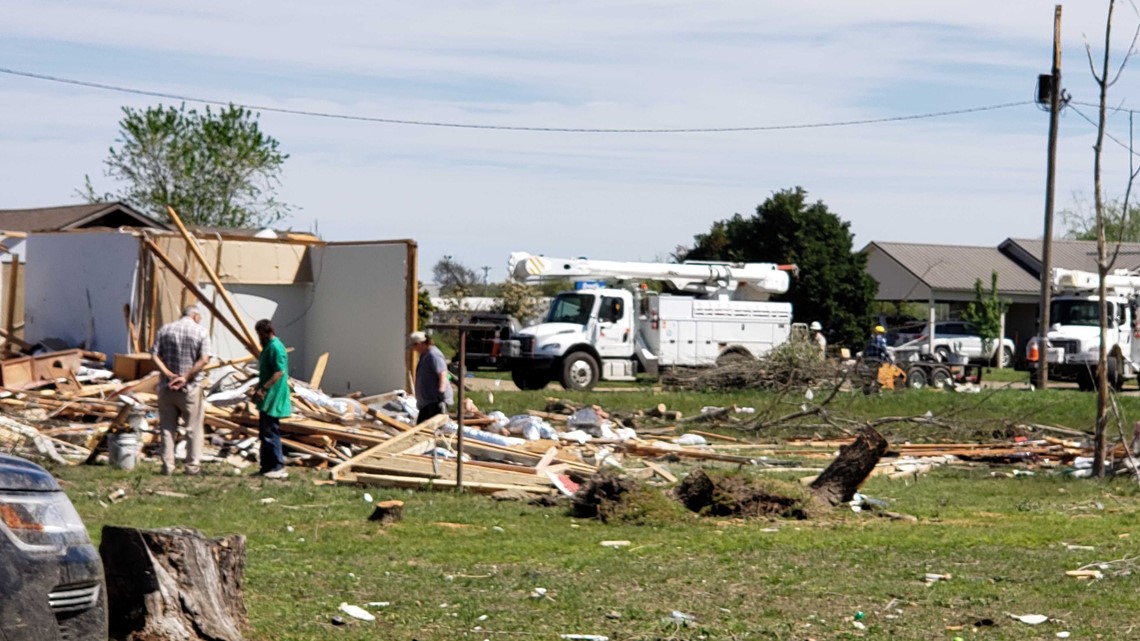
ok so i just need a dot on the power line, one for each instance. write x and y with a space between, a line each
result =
458 125
1106 134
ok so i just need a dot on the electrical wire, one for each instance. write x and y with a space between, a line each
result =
459 125
1092 122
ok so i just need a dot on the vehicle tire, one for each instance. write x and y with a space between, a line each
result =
940 377
528 380
733 357
1086 381
916 378
1006 358
579 371
943 354
1115 374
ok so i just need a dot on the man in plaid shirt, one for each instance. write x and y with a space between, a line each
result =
181 349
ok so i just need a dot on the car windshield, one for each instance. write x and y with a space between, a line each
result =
571 308
1076 312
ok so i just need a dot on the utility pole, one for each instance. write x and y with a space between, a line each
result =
486 269
1054 82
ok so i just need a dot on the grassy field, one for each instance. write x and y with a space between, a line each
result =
463 566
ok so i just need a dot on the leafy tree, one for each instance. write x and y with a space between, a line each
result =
455 279
1080 222
832 285
216 169
424 308
518 299
985 312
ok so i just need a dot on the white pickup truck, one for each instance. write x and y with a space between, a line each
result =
955 337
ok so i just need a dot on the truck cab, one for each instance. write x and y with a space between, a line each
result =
582 331
1074 340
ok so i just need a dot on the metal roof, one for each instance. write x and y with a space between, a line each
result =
1069 254
74 216
955 268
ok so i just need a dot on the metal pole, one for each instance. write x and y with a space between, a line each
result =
1050 175
459 411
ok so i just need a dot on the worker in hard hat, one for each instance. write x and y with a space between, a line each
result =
818 339
877 346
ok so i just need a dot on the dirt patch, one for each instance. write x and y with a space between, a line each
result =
734 495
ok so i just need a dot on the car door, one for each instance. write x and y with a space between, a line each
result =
615 328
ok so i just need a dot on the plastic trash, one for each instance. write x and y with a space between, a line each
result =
681 618
584 637
1030 619
809 395
367 497
587 420
538 593
356 612
577 436
690 439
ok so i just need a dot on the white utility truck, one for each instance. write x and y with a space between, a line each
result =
1074 329
714 312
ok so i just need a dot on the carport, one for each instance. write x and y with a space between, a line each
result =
946 274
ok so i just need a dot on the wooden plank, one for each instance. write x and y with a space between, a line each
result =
250 346
661 471
13 284
390 444
714 435
319 371
445 469
413 482
192 243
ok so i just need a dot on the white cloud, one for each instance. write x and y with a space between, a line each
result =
480 194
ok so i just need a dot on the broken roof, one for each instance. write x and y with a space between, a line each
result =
944 271
75 216
1069 254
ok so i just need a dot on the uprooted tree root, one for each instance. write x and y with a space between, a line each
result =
736 495
612 498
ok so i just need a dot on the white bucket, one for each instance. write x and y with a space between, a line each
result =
123 449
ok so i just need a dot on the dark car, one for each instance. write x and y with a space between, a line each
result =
483 345
51 577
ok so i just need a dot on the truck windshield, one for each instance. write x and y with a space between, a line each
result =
1077 312
571 308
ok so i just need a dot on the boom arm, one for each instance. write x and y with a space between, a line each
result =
754 281
1121 282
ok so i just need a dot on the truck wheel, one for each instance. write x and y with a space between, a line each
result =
940 377
1006 357
916 378
527 380
1115 374
579 371
943 354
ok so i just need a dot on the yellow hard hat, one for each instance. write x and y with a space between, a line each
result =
879 329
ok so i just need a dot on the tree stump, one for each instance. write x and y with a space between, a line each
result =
173 584
838 483
388 512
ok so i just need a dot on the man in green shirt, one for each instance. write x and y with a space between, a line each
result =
272 397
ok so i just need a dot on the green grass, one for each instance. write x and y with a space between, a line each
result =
456 558
1005 375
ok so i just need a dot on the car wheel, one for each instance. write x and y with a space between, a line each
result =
916 378
579 371
1006 357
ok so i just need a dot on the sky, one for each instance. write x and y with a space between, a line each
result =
477 194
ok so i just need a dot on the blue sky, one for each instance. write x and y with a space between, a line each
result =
478 195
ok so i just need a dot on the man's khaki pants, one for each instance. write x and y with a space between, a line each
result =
188 405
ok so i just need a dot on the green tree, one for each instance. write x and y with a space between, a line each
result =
216 169
517 299
985 312
455 279
424 308
832 285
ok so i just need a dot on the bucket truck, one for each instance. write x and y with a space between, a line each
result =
1074 330
714 312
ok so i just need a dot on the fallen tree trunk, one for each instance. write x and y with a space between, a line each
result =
840 480
173 584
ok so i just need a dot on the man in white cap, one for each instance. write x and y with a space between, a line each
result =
818 338
433 391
